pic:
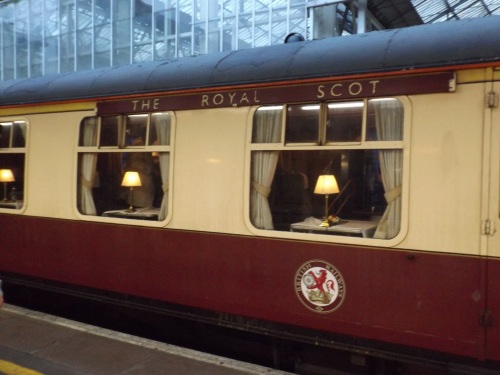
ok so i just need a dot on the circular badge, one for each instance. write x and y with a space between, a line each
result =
320 286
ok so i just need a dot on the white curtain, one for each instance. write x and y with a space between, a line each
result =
389 123
88 168
267 129
162 125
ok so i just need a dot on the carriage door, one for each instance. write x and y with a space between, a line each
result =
491 228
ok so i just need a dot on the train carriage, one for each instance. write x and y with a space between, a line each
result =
343 191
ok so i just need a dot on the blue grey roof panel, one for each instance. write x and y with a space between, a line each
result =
441 44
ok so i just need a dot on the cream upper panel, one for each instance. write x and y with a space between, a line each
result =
51 164
209 170
446 171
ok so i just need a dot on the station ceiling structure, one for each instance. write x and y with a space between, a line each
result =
404 13
443 10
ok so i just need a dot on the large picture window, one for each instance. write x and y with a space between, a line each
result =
111 146
359 143
13 134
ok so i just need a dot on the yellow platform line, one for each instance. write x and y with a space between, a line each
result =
9 368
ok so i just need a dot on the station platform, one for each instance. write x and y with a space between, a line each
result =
33 343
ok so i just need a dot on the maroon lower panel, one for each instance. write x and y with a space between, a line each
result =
493 308
419 299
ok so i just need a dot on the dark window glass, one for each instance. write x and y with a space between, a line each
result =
110 131
136 130
19 129
344 122
5 131
302 123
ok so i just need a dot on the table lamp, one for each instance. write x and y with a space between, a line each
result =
326 185
131 180
6 176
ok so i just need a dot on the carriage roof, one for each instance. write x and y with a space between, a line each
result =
446 44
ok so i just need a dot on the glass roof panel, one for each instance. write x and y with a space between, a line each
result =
443 10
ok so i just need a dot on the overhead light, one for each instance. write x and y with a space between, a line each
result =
271 108
346 105
314 107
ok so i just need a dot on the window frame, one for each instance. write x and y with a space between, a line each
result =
121 148
403 145
16 150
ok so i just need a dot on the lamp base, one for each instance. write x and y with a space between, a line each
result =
131 208
325 224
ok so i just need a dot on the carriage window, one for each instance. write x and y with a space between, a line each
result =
12 163
112 149
357 146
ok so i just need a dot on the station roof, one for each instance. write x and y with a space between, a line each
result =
402 13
